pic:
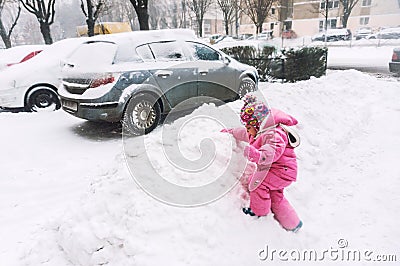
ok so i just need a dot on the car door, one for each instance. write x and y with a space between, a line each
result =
174 73
216 77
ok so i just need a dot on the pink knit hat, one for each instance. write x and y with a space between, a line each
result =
253 113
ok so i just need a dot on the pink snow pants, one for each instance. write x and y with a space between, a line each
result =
263 199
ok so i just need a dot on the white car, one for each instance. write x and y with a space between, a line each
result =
18 54
386 33
33 84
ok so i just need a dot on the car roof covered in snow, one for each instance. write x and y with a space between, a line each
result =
142 37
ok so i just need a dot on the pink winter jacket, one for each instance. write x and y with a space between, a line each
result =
277 166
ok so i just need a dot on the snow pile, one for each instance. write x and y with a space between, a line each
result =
347 189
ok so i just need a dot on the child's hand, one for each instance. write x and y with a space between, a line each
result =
252 153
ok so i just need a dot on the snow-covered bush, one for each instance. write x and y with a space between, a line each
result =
289 65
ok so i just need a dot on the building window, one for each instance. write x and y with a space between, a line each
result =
331 24
273 10
331 4
366 2
271 26
364 20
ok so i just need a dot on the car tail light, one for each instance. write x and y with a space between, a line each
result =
395 57
102 81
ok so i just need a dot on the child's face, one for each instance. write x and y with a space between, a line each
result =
251 130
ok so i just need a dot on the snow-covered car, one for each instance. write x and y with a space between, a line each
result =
33 84
362 33
19 54
289 34
333 35
225 38
214 37
142 75
386 33
394 65
245 36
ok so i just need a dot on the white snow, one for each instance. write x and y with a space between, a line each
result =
67 196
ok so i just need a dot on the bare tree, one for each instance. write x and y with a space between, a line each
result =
322 8
348 6
158 14
257 11
140 7
154 15
199 8
228 8
4 33
44 14
92 10
184 13
121 11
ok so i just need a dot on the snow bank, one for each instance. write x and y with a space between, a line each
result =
347 189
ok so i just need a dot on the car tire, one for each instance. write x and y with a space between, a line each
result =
141 115
246 85
44 99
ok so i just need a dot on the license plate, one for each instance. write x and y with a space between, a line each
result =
70 105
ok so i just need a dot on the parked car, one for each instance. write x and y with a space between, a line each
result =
33 84
142 75
214 37
333 35
289 34
386 33
19 54
362 33
394 65
225 38
245 36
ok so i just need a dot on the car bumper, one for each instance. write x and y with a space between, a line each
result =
394 67
11 98
106 111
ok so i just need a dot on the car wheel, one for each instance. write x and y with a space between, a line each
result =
43 100
142 115
246 85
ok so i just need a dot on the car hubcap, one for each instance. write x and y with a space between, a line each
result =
245 88
144 115
43 101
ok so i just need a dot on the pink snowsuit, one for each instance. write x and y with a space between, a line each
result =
276 169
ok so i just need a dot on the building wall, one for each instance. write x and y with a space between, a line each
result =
306 17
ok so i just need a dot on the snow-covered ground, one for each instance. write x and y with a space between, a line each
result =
67 196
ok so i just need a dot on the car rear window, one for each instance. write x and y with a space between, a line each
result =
94 54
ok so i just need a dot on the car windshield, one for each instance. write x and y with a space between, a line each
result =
93 54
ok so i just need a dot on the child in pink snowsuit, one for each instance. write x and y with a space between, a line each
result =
275 159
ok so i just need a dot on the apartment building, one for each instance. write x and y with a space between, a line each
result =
307 17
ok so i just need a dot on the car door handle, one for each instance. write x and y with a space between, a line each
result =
163 73
203 72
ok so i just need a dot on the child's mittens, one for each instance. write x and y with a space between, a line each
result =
252 153
227 130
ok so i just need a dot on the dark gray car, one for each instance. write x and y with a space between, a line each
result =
137 77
